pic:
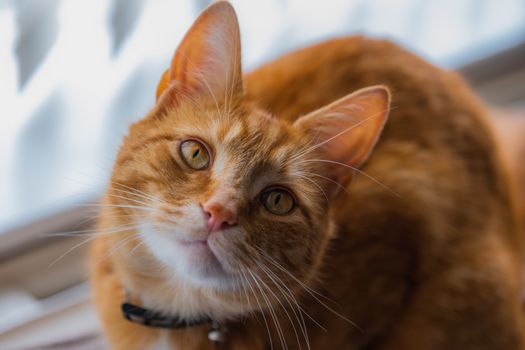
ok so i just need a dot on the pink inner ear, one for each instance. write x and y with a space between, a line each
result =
207 62
347 130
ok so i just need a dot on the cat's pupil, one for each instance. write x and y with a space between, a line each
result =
277 199
196 153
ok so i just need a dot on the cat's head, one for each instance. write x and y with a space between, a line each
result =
219 190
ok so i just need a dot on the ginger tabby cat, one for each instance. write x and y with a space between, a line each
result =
283 209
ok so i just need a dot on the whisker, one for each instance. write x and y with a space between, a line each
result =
272 312
312 148
136 192
193 100
202 76
123 206
327 179
136 247
73 248
142 203
310 291
316 185
356 170
264 255
111 251
90 232
286 298
287 291
260 307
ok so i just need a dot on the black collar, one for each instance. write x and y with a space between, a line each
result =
152 318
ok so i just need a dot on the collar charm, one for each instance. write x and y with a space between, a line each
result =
217 333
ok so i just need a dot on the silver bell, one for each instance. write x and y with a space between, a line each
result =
216 336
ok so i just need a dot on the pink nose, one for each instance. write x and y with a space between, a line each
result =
218 217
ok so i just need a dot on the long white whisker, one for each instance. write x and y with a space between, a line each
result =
75 247
260 307
309 290
101 205
114 248
272 312
356 170
345 131
316 185
316 146
136 247
91 232
142 203
136 192
327 179
264 255
286 298
291 297
200 73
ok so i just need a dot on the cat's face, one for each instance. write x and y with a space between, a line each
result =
221 192
226 191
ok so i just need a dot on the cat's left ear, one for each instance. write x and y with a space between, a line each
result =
207 63
347 131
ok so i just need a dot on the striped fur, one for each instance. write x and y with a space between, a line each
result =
412 246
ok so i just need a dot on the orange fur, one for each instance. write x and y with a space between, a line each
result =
421 250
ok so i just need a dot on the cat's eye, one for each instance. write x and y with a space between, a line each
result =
278 201
195 154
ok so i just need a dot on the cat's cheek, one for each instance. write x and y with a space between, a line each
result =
160 245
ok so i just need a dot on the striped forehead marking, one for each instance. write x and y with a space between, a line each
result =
241 146
233 132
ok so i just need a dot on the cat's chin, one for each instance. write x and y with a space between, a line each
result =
200 264
191 260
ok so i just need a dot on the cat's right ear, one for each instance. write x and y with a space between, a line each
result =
207 63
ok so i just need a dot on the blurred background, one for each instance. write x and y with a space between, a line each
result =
75 74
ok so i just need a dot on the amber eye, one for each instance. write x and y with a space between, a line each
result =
278 201
195 154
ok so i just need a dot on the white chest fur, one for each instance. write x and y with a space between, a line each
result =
163 343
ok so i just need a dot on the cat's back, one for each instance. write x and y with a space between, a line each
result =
426 100
429 218
436 160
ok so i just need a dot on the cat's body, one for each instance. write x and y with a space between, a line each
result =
427 252
432 259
